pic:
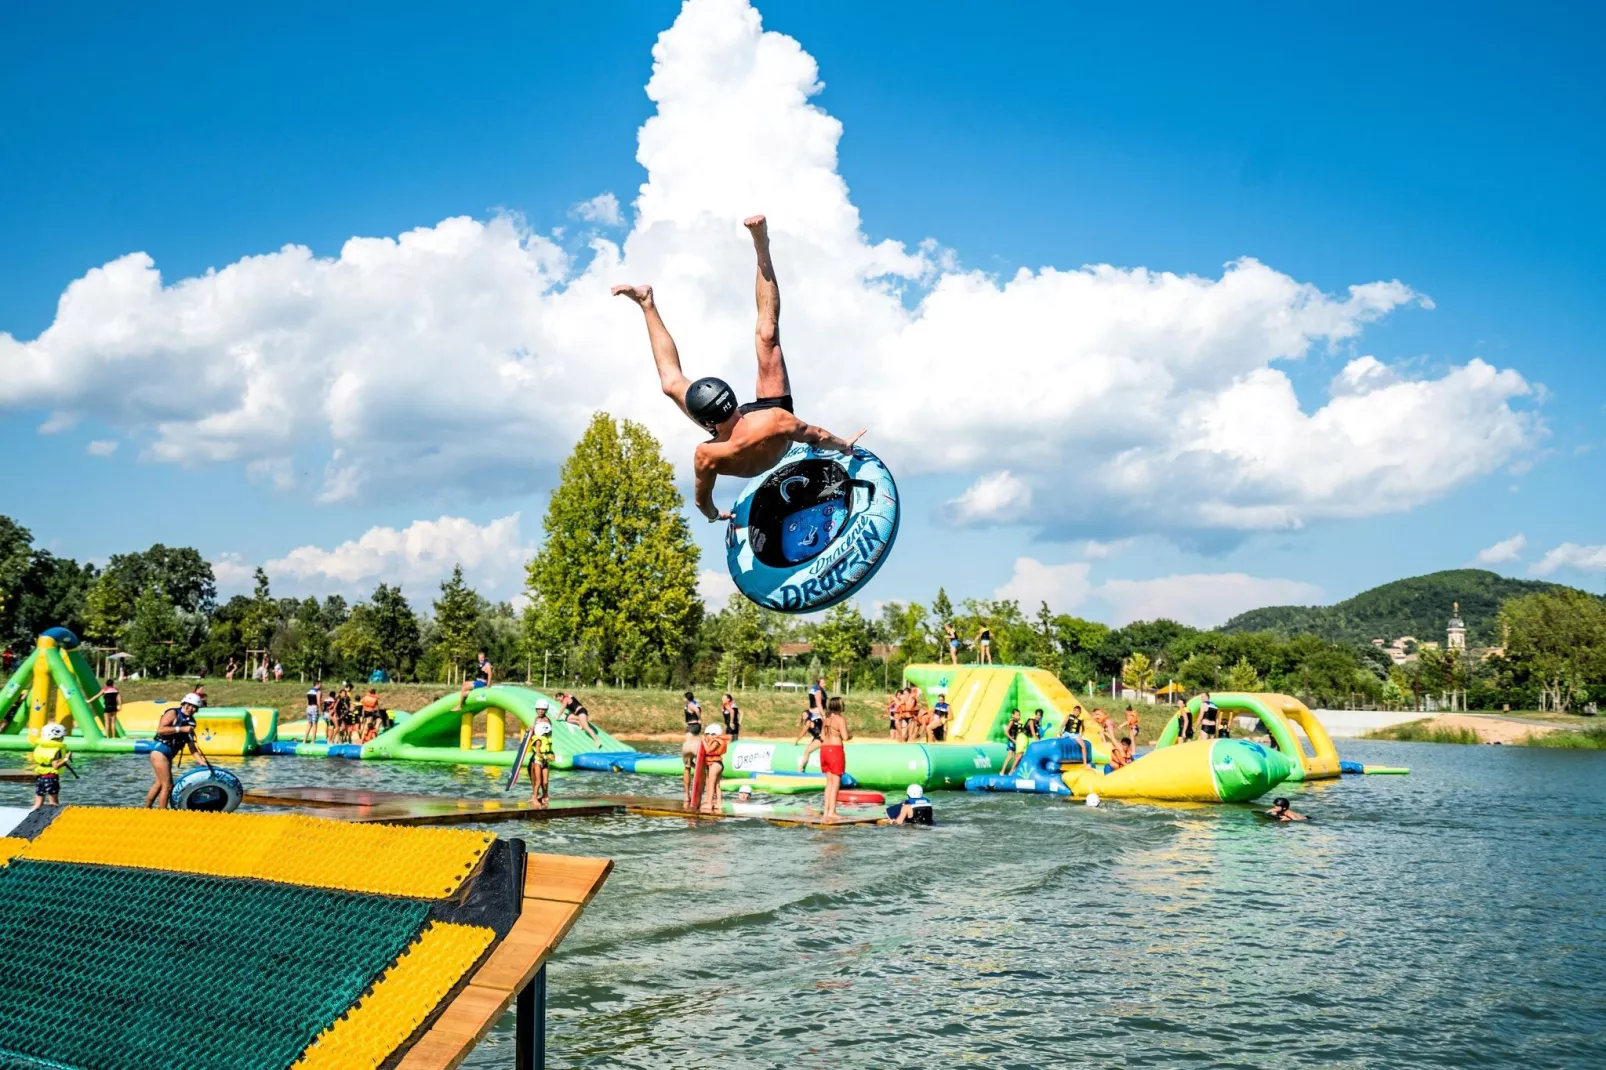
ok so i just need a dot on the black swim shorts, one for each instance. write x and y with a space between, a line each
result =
782 402
47 784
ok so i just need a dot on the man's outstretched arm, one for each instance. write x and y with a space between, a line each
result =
819 436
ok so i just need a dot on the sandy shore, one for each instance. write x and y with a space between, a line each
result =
1493 729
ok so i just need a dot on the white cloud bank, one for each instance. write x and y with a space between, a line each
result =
453 351
418 556
1504 551
1202 600
1574 556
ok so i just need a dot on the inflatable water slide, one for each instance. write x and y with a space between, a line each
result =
56 683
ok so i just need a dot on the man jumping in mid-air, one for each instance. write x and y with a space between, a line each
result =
748 439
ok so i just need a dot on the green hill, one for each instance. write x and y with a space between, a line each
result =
1418 606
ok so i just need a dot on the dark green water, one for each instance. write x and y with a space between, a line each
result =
1452 918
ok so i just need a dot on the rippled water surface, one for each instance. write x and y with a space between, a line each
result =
1451 918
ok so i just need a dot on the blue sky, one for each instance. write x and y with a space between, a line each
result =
1455 150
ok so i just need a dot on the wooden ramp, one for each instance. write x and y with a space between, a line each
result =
401 808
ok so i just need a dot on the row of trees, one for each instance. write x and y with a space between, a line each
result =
612 597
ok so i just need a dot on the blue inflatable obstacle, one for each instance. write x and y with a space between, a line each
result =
1039 769
812 530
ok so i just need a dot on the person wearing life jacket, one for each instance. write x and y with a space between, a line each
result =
915 809
1014 747
175 730
542 755
49 755
939 719
714 747
748 439
731 714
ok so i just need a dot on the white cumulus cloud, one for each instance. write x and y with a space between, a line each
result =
427 362
1202 600
1503 551
1583 558
603 208
997 498
418 556
101 447
714 587
1063 587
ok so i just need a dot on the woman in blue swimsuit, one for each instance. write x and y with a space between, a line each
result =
174 732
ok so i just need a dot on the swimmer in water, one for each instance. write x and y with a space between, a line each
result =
748 439
1280 812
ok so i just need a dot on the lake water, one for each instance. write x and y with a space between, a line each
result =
1450 918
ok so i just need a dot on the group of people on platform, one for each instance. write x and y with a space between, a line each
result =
983 643
910 721
346 718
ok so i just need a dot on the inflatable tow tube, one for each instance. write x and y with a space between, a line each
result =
812 530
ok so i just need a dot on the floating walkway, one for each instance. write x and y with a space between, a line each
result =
400 808
437 932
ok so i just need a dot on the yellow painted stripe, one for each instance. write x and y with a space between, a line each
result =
400 1001
420 863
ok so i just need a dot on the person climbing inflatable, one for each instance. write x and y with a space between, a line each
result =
820 518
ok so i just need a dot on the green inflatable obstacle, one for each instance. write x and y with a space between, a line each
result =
440 732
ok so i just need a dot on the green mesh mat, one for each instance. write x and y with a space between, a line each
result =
127 969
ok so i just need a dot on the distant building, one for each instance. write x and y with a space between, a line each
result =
1456 637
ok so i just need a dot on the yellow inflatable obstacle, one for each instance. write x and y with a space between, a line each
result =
1208 770
1279 715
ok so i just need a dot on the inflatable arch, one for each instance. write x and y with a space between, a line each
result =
442 733
1278 714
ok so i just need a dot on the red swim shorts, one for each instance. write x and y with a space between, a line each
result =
833 760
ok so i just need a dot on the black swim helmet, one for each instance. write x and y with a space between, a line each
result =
710 401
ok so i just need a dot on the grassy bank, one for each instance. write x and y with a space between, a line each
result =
623 712
1591 738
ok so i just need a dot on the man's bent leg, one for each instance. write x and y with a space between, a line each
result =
671 379
772 378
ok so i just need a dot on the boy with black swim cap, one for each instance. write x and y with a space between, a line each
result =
748 439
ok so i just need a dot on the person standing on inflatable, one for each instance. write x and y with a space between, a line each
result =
748 439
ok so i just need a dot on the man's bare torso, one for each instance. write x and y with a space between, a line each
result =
757 442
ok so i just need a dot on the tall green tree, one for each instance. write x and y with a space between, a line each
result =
1243 677
154 632
457 611
356 643
1558 638
843 637
262 618
615 584
394 626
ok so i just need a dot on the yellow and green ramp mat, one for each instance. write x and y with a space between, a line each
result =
135 939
